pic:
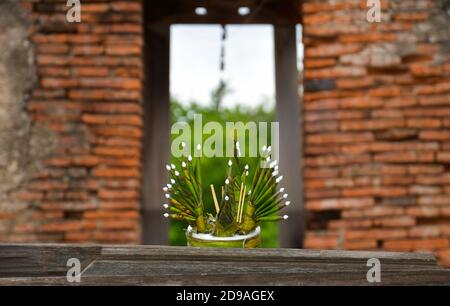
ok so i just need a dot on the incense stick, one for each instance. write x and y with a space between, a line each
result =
242 205
216 204
239 203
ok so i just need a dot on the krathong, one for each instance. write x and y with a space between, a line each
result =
241 204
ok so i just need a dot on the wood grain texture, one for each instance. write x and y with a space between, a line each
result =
40 264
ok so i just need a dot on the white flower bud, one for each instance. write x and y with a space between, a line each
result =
226 198
279 179
273 164
177 173
287 203
246 167
183 164
166 206
264 148
275 173
230 163
281 189
168 168
172 181
285 195
165 189
169 186
285 217
189 158
166 215
172 166
167 196
227 181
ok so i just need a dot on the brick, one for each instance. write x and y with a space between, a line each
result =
428 231
424 189
119 205
439 88
27 196
421 70
355 125
116 236
320 243
330 160
370 244
91 72
378 234
435 135
123 50
334 72
126 6
367 37
320 194
332 50
319 63
434 179
121 215
415 244
58 83
352 83
374 191
338 138
443 157
132 120
333 204
401 221
117 152
407 157
423 211
360 103
116 172
424 123
411 16
111 194
64 226
85 160
425 169
117 225
121 131
325 126
435 100
335 115
347 224
434 200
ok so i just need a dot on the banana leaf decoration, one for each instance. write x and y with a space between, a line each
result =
244 202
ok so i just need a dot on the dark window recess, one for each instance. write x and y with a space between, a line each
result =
319 220
73 215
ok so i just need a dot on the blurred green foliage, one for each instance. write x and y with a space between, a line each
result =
213 169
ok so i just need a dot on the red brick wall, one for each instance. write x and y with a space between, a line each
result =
89 95
377 126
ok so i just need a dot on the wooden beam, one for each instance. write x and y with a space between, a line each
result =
156 132
290 141
158 265
226 12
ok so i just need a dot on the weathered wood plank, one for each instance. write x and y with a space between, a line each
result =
157 265
43 260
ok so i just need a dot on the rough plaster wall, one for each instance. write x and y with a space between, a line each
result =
22 144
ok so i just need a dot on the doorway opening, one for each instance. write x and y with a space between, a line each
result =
190 81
